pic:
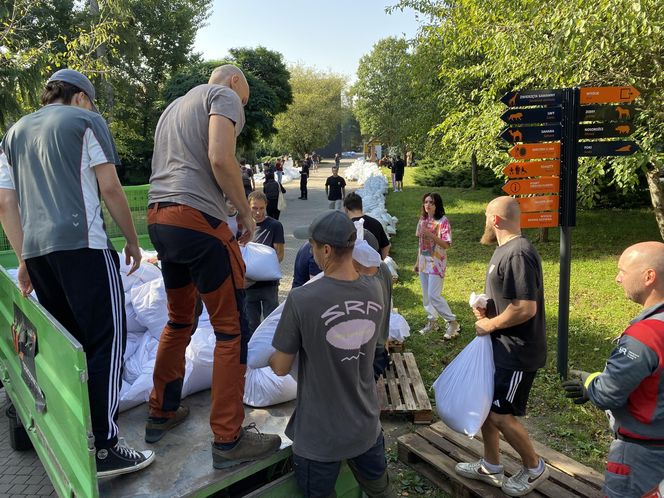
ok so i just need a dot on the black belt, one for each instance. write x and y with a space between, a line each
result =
643 442
162 204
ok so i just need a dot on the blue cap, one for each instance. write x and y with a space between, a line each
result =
77 79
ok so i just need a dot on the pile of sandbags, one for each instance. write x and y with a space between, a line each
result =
290 173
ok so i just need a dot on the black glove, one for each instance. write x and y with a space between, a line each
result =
575 390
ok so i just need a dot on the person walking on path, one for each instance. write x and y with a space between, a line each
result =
515 320
334 323
337 160
271 189
354 209
435 237
335 189
263 297
632 385
201 258
279 169
304 177
399 169
59 160
248 181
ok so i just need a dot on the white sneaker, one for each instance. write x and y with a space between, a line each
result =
524 482
431 324
477 471
451 330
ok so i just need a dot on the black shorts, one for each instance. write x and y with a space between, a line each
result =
511 389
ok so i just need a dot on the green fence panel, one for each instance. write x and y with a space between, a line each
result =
43 369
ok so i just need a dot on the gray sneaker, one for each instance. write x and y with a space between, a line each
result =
452 330
477 471
523 482
156 428
252 445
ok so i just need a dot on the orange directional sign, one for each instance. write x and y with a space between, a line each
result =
539 203
542 185
539 220
536 151
608 94
532 168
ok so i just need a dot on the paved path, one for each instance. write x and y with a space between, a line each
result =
21 473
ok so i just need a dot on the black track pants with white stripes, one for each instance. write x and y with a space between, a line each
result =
82 289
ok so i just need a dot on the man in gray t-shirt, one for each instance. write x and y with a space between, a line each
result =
334 324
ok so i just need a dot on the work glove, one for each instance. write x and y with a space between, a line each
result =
577 389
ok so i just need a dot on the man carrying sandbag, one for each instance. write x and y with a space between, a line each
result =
514 317
263 297
194 158
333 323
632 385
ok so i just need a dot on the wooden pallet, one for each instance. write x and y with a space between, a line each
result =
435 450
395 346
401 390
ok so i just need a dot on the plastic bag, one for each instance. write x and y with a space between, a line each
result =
464 391
262 387
281 202
399 328
261 261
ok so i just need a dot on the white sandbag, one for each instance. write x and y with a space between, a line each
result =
149 301
262 387
142 361
200 359
399 328
133 340
261 261
461 404
132 319
392 266
136 393
146 272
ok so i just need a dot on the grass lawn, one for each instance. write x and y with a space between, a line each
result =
599 311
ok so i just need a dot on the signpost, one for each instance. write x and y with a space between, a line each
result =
550 184
532 134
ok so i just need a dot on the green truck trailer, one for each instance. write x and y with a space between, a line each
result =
43 370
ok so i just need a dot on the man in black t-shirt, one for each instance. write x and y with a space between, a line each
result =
514 318
335 189
262 298
304 178
354 210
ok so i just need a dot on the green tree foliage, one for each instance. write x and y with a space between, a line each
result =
484 48
383 100
312 120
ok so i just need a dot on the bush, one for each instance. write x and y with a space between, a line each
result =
432 174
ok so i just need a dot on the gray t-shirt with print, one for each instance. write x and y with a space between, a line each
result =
181 170
52 153
333 325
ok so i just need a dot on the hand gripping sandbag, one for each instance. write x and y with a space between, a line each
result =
261 261
464 391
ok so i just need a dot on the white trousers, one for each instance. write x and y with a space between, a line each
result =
432 300
338 204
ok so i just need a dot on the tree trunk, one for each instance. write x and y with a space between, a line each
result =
656 196
473 171
543 234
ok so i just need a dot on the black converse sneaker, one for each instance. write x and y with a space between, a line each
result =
120 459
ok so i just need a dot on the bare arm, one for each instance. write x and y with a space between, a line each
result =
116 202
385 251
516 313
281 363
11 224
280 251
226 170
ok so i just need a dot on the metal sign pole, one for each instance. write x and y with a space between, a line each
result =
569 170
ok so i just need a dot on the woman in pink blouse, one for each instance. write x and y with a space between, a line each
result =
435 236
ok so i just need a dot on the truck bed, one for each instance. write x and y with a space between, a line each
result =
183 464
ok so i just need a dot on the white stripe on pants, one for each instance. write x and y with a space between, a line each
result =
432 300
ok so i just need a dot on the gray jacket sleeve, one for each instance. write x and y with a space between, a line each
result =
630 362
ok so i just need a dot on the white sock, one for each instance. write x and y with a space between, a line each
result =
492 468
539 469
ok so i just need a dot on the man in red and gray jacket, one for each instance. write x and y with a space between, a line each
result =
632 383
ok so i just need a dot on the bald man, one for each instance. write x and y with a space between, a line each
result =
194 173
514 319
632 383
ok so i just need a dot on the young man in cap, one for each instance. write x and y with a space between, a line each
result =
334 323
62 158
194 173
335 189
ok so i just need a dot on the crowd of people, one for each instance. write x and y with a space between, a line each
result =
203 204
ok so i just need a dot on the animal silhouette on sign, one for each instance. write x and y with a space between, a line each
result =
623 129
516 135
515 116
623 113
512 101
625 148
